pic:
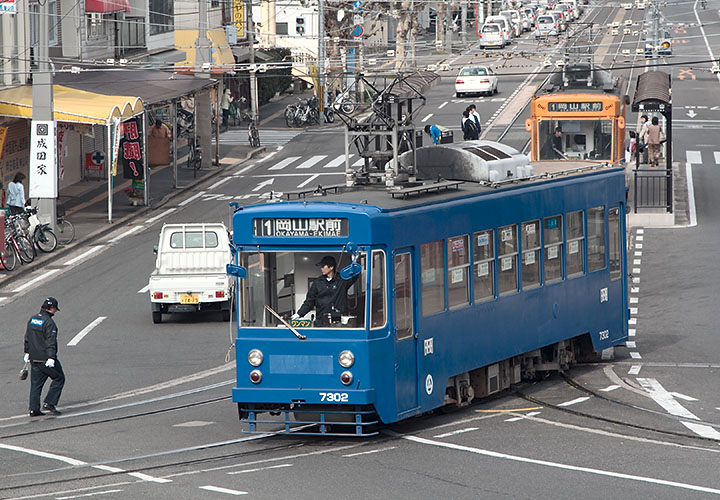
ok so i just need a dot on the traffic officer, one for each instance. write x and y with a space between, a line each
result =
41 349
328 294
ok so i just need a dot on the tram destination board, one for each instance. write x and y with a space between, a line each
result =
315 227
575 107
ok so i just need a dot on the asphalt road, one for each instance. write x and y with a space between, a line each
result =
148 412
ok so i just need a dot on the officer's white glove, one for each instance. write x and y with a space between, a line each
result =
50 363
295 316
26 358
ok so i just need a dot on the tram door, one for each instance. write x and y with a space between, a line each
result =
404 326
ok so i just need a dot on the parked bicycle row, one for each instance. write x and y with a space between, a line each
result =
25 234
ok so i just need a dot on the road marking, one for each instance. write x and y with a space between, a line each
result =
284 163
634 370
193 197
635 355
703 430
159 216
637 262
557 465
220 182
632 321
693 157
426 118
107 468
151 479
634 289
638 253
263 184
144 289
639 245
575 401
126 233
267 157
85 495
636 279
308 180
459 431
35 280
633 310
244 169
336 162
631 344
639 237
194 423
370 452
77 338
223 490
360 162
443 105
631 332
634 300
636 270
640 231
610 388
80 257
311 161
664 398
716 154
683 396
280 466
691 191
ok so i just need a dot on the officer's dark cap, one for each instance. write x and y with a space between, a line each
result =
329 261
50 302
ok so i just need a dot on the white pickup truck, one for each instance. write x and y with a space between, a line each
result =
190 273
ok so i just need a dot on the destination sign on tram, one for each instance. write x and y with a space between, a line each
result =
301 227
575 107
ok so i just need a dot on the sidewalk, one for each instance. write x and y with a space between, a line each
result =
86 203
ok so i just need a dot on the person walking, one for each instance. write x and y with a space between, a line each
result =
434 132
16 195
475 116
227 99
41 351
654 138
642 138
470 130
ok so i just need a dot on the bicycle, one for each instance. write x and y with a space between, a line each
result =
290 112
42 236
65 230
16 245
194 160
253 135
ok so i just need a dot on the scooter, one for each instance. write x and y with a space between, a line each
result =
42 235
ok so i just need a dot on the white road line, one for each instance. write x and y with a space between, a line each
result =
308 180
634 370
610 388
557 465
665 399
161 215
280 466
335 162
370 452
151 479
144 289
459 431
639 238
636 270
693 157
636 279
223 490
640 231
575 401
77 338
244 169
80 257
514 419
635 355
716 154
634 289
638 253
220 182
284 163
683 396
633 310
126 233
638 245
634 300
194 423
703 430
443 105
426 118
631 332
637 262
85 495
267 157
632 321
359 163
35 280
631 344
107 468
311 161
192 198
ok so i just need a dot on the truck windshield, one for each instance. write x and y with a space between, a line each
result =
282 280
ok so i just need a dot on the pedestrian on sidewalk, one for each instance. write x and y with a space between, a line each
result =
16 195
642 138
227 99
470 130
655 136
41 351
475 116
434 132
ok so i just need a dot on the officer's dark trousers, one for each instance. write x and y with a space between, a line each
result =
39 374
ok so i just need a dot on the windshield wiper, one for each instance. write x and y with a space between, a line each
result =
287 325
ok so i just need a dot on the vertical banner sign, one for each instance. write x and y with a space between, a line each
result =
131 150
116 146
3 136
8 7
43 175
61 167
238 17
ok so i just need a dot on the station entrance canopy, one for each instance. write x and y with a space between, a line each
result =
106 6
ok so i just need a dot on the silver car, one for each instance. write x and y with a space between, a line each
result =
547 25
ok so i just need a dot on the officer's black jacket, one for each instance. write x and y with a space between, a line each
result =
327 297
41 337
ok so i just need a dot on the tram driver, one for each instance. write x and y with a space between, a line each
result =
327 295
557 141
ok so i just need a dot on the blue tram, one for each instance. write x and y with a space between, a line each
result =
461 289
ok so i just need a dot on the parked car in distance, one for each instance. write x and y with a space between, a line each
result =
561 21
492 35
515 20
547 25
476 80
503 21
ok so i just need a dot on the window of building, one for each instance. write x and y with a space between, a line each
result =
53 23
507 259
402 264
377 284
484 265
596 238
162 14
458 271
96 26
530 263
433 277
575 238
553 249
615 243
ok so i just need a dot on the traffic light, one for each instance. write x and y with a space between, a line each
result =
300 25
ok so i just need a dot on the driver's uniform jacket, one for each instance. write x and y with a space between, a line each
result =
327 296
41 337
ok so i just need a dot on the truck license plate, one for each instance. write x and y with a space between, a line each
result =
187 298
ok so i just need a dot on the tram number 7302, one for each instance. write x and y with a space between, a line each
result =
334 397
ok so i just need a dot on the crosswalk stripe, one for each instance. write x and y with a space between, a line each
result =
267 137
284 163
693 156
359 163
717 157
311 161
337 161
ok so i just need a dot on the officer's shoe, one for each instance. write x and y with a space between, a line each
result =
51 409
36 413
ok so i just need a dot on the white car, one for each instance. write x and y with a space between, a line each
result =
476 80
492 35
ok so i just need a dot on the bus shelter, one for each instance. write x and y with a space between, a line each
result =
653 96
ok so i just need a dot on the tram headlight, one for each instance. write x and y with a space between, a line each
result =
255 376
255 357
346 359
346 378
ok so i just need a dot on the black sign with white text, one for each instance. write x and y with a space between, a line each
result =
301 227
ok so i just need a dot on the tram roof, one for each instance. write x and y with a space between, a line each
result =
580 78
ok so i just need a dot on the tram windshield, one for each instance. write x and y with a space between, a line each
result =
282 280
580 140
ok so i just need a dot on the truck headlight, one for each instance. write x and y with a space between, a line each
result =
346 359
255 357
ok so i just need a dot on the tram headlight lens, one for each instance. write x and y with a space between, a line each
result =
346 359
346 378
255 376
255 357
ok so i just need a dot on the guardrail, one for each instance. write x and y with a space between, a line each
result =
653 188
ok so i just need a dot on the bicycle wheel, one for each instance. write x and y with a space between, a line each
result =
65 231
27 251
9 259
290 116
45 239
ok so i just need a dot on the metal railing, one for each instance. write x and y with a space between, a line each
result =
653 188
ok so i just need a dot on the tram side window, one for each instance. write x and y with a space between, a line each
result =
615 243
377 297
596 238
432 269
458 271
403 296
530 264
484 265
553 249
507 256
575 236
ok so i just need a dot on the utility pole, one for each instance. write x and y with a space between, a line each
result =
203 60
321 55
253 72
463 21
44 174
